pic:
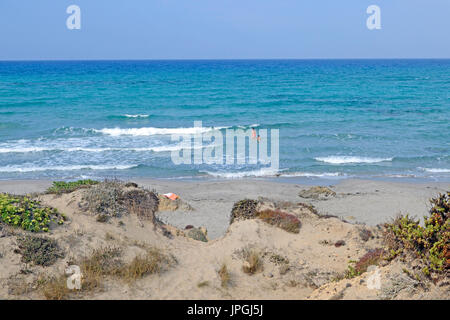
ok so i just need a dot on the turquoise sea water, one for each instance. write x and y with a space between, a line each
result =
337 118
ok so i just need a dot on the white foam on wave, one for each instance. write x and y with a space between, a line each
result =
150 131
242 174
136 115
312 174
164 148
66 168
436 170
42 149
350 159
270 172
22 150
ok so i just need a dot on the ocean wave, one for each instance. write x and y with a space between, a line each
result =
270 172
66 168
22 150
351 159
149 131
136 115
255 125
312 174
436 170
242 174
73 131
164 148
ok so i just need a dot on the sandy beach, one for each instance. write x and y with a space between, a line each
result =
289 241
357 201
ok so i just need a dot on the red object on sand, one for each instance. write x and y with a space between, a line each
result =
171 196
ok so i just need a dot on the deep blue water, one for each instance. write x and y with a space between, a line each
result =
336 118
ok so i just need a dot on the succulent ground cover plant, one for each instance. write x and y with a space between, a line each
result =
28 214
285 221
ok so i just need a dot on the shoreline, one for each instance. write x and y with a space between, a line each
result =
369 202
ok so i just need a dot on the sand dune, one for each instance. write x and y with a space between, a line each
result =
302 265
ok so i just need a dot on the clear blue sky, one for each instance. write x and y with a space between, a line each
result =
228 29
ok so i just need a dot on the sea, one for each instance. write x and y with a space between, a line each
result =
336 119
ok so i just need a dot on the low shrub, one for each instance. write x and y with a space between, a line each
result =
113 199
104 198
39 250
60 187
244 209
285 221
365 234
30 215
371 258
430 243
356 268
141 202
196 234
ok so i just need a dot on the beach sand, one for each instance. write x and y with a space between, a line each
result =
357 201
293 265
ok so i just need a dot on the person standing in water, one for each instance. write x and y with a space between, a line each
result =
253 133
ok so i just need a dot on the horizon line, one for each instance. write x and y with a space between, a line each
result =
213 59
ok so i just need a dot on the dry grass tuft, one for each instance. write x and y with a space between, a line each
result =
102 262
55 288
224 276
105 262
153 262
253 262
18 286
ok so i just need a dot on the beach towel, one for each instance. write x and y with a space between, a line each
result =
171 196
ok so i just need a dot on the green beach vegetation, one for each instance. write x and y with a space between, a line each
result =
28 214
60 187
429 243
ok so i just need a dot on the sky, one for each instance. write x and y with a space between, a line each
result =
223 29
